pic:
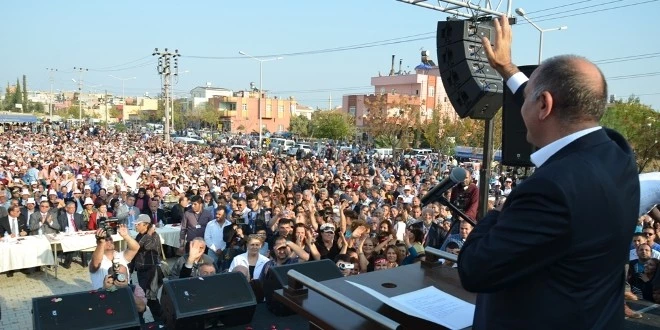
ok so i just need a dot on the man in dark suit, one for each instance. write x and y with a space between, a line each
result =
552 256
14 224
70 221
433 233
154 213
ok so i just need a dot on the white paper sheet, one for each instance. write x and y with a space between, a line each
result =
429 304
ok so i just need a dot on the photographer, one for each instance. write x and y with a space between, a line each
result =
146 263
118 278
105 254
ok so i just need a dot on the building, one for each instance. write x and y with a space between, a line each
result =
201 95
422 86
303 110
240 112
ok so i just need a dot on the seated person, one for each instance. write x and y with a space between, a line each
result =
122 278
204 269
199 258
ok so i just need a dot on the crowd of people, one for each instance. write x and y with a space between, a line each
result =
237 212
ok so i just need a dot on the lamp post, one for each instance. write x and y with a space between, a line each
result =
521 12
261 93
123 97
80 83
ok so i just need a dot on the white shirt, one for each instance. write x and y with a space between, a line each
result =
13 224
213 235
98 277
542 155
242 260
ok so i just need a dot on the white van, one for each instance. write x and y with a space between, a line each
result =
281 145
382 153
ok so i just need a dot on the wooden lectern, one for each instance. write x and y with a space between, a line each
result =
359 310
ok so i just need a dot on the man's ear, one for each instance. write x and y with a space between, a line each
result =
546 105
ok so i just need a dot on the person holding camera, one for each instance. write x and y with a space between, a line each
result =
118 277
146 263
105 254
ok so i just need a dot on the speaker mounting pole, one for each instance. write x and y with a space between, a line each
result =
465 8
484 174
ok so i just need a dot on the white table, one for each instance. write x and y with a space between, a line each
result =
169 235
84 241
26 252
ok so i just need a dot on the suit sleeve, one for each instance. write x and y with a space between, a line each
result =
531 232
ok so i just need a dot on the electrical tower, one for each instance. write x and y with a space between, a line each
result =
51 78
80 86
165 70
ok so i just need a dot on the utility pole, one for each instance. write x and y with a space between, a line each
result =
80 84
105 103
123 96
165 70
51 78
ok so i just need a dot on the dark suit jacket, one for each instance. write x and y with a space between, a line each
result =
5 226
63 219
553 258
435 235
160 215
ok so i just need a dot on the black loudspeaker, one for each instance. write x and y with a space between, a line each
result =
208 302
473 86
516 150
276 279
86 310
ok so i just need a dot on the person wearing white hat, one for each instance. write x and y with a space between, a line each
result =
29 208
25 194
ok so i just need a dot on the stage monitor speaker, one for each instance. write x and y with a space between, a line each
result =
474 88
516 151
276 279
86 310
208 302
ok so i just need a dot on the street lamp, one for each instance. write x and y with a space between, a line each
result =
261 62
123 97
521 12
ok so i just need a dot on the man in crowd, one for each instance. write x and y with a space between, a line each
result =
190 264
105 254
127 212
194 222
71 222
45 220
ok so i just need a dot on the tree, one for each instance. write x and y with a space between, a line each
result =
392 119
209 116
18 95
299 125
114 112
640 125
334 125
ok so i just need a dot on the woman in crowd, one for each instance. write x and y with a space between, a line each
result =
101 212
252 259
393 256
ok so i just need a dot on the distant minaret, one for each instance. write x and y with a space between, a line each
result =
392 68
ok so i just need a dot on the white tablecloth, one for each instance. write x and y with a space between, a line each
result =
79 241
168 235
31 251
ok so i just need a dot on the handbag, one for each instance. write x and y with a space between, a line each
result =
164 266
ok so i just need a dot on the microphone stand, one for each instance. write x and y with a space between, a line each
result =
456 212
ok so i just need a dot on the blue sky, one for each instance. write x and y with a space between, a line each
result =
118 37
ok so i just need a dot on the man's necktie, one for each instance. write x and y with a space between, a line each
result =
73 222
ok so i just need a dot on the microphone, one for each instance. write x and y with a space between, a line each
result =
456 176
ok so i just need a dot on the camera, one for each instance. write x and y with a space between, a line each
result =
237 218
345 266
117 276
109 225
